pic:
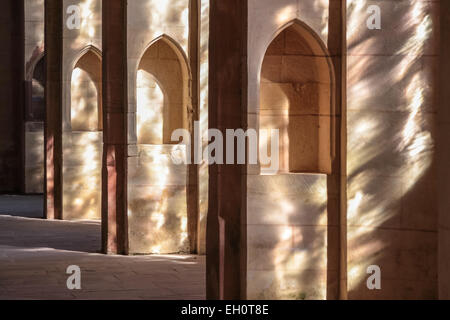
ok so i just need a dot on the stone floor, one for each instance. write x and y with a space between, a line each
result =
35 253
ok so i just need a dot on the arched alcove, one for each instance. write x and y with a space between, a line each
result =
289 210
83 140
37 110
86 93
158 198
160 94
295 97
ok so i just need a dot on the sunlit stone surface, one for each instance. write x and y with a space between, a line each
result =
287 236
34 157
82 146
392 205
157 202
392 213
157 215
289 90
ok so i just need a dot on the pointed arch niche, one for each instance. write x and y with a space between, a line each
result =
83 140
162 96
159 217
296 98
288 211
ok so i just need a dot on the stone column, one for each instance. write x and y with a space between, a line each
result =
114 171
193 169
53 98
11 93
336 182
443 154
226 237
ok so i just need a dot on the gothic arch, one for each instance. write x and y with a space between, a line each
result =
159 203
295 85
296 206
83 137
88 62
186 79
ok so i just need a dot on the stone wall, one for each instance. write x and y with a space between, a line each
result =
34 128
391 108
34 157
157 203
82 136
157 216
287 220
157 211
287 237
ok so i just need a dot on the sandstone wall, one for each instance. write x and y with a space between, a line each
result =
82 136
391 108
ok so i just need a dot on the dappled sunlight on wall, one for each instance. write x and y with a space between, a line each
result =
170 10
150 109
84 111
88 8
157 203
82 145
287 212
391 106
287 237
156 17
90 23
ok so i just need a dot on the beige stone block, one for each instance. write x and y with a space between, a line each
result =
154 166
294 199
81 195
273 285
157 220
82 168
286 248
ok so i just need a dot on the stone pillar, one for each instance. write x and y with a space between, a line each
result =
226 236
336 182
11 93
114 171
443 154
53 98
192 194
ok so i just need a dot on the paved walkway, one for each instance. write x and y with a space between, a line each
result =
35 253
